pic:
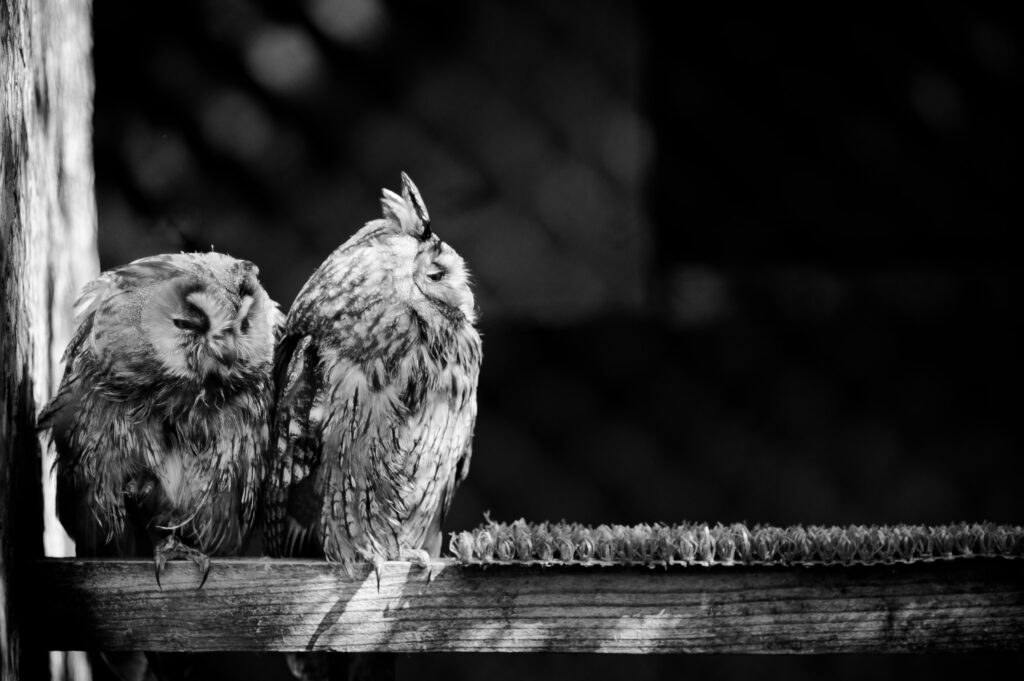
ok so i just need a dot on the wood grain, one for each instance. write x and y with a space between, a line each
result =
262 604
47 250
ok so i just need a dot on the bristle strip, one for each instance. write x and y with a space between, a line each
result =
522 543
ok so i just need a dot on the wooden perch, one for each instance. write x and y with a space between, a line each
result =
280 605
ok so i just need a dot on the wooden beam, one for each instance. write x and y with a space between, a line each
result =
47 251
281 605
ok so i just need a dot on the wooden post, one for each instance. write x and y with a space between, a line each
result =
47 250
263 605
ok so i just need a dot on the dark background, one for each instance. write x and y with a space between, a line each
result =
731 267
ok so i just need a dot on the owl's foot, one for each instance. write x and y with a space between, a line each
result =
134 490
171 548
419 558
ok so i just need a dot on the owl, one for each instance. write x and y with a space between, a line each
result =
162 418
376 396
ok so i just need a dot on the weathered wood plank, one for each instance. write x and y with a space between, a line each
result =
252 604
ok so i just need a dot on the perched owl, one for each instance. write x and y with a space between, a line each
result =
376 387
162 418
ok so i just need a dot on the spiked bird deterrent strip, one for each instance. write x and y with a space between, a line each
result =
522 543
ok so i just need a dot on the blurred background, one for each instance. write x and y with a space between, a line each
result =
731 267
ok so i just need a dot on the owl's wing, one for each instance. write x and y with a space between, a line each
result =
443 430
292 503
434 539
463 440
277 321
65 402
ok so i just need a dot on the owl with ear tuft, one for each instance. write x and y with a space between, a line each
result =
376 396
161 421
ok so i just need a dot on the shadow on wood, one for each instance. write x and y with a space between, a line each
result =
288 605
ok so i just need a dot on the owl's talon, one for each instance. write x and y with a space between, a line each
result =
133 490
172 548
159 561
378 568
202 561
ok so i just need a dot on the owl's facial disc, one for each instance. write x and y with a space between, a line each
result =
206 326
213 326
440 275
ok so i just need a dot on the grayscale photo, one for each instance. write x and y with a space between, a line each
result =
381 339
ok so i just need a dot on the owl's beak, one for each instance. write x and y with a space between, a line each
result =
223 348
226 353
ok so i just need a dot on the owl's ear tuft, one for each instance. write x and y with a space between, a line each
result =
407 212
245 266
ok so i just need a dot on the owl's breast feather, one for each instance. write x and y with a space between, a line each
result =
171 474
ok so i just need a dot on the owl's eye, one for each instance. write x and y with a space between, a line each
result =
244 326
190 324
197 321
437 275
